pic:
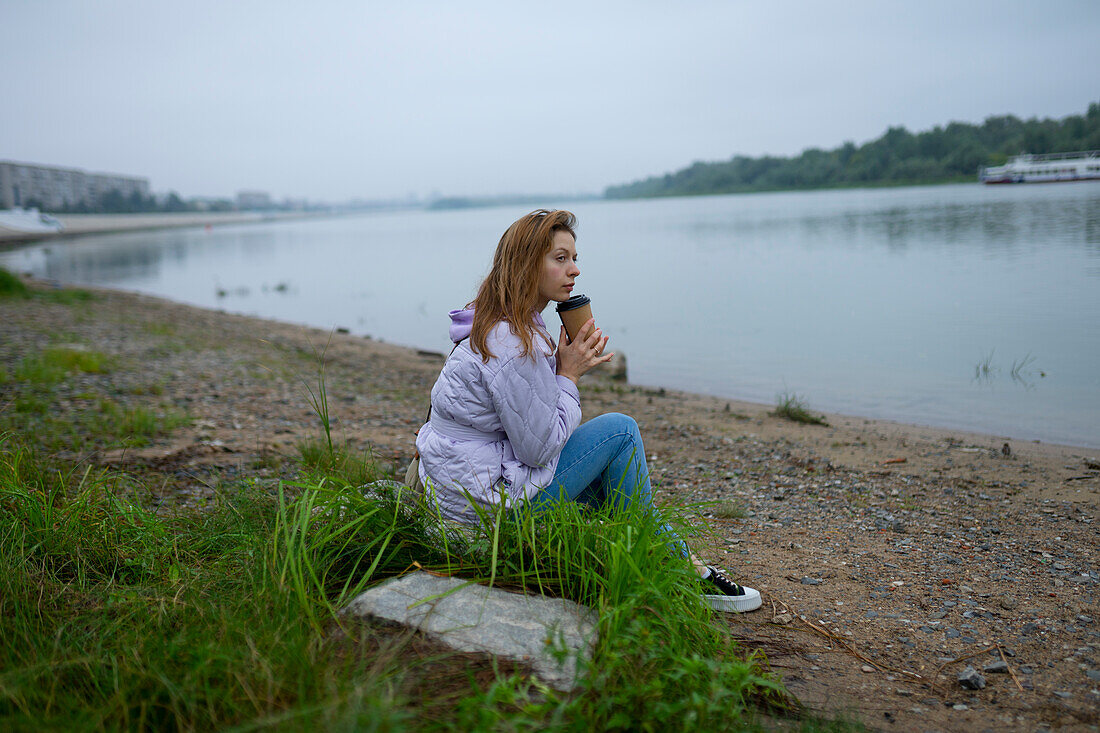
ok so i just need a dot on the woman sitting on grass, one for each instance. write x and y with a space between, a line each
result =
506 408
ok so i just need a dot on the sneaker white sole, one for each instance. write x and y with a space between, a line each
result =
735 604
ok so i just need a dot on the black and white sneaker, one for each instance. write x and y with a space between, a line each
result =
722 594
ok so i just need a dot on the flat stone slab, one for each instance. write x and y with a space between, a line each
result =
469 617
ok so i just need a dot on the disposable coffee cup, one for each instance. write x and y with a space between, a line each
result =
574 313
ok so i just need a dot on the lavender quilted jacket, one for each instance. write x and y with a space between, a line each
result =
495 426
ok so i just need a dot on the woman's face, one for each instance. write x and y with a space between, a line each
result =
559 270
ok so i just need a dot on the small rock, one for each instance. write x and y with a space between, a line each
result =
867 668
998 667
1093 674
871 614
959 706
971 679
1084 619
1063 695
811 581
782 618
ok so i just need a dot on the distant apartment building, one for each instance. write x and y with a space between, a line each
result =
252 200
23 184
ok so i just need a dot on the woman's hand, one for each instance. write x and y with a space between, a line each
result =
583 353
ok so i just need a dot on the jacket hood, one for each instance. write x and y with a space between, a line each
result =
462 323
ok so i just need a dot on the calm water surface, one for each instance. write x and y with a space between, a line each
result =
960 306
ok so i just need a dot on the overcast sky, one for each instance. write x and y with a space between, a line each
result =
332 100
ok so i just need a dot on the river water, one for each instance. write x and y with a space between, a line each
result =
962 306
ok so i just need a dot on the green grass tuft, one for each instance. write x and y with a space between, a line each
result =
136 424
159 328
794 408
55 362
726 509
12 286
67 295
984 370
340 463
63 414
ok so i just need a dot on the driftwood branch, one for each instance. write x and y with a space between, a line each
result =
851 649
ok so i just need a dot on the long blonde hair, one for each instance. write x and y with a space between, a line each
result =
511 290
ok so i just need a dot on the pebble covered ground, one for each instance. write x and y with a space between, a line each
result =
898 584
913 578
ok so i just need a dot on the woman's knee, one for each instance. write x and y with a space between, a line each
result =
627 427
619 421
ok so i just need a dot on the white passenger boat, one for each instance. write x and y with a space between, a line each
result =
1082 166
27 221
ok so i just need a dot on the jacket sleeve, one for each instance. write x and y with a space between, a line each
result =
538 410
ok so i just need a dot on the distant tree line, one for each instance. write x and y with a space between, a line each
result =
942 154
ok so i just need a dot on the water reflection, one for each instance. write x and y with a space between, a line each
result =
1023 372
106 259
1092 223
878 219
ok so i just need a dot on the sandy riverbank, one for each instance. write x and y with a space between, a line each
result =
895 548
76 225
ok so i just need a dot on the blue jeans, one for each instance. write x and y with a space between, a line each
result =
604 462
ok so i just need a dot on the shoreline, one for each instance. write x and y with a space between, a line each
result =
899 425
845 440
968 434
79 225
